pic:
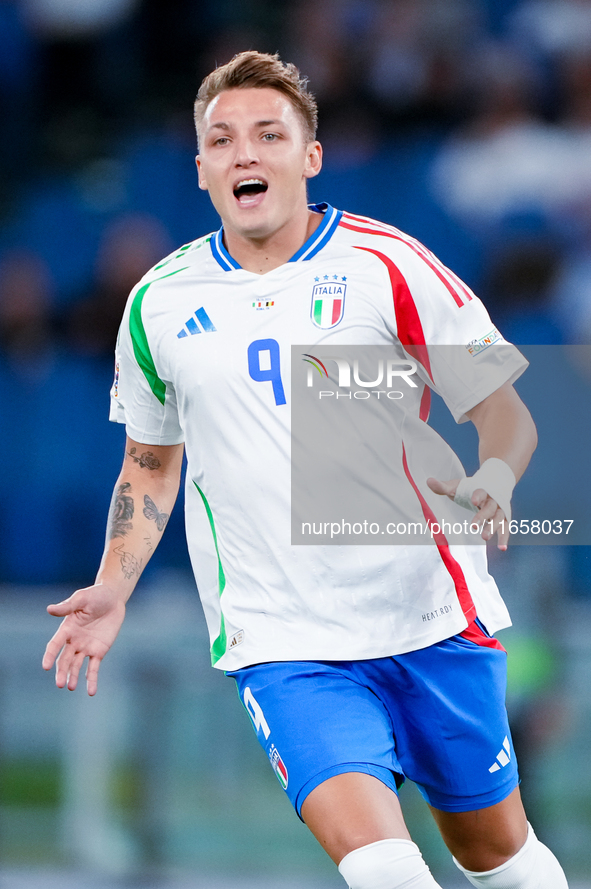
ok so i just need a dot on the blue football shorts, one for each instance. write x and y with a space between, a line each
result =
435 716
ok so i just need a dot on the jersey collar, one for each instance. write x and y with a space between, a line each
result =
312 246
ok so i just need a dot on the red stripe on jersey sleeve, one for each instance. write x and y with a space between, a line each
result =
453 567
408 323
423 254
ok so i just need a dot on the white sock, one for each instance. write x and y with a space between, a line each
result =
387 864
533 867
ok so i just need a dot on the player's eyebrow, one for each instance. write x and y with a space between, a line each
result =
224 125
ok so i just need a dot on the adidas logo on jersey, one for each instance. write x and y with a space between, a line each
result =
503 757
199 322
237 639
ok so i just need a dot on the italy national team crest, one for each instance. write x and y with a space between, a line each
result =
328 301
278 766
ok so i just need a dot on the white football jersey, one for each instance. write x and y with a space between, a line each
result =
204 358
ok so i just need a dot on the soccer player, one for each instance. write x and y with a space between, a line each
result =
359 665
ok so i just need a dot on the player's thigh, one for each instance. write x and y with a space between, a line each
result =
351 810
447 704
483 839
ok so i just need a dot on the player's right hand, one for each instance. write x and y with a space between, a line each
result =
489 515
92 619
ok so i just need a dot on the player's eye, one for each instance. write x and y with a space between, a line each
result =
270 137
223 140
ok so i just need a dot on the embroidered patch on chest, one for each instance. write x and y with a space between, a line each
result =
328 301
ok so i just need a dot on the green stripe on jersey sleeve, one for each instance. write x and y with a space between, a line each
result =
141 347
218 649
192 244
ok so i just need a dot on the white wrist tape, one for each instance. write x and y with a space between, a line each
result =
496 478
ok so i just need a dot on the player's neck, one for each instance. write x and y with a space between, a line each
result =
262 255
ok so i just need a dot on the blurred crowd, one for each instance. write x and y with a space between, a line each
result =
465 122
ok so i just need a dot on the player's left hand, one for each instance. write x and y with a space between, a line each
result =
489 514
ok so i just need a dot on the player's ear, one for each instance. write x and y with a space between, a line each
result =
202 181
313 160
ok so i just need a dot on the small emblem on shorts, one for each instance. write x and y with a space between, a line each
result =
503 757
237 639
278 766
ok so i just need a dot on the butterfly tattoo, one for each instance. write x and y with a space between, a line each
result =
151 512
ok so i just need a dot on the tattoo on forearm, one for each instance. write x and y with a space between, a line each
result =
129 564
147 460
151 512
148 542
121 512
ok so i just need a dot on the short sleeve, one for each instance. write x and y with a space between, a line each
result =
443 326
140 398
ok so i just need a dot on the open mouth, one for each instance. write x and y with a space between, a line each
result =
247 189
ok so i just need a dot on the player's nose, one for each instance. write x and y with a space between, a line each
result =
246 154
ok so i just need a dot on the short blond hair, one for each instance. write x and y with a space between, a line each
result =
258 70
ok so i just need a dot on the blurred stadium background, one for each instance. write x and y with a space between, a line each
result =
466 123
